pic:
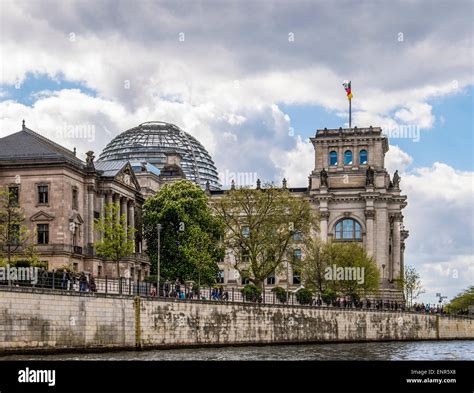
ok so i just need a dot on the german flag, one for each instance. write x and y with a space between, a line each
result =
347 87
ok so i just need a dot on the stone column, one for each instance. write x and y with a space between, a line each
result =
124 210
110 198
90 215
324 216
381 235
340 157
102 210
369 235
131 215
396 248
117 201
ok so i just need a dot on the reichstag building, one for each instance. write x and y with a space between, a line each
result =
61 194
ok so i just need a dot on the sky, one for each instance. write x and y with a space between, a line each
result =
253 81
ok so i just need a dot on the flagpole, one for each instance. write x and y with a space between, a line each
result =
350 112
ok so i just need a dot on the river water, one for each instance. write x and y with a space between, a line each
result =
407 350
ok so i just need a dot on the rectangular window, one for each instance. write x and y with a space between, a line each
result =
43 233
13 196
220 277
296 276
245 255
297 254
75 199
245 281
271 279
43 194
245 231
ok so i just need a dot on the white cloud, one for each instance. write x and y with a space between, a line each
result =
295 165
396 158
440 218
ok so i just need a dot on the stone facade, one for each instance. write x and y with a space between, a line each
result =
358 187
73 197
350 188
41 320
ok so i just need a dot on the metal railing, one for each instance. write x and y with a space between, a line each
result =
129 287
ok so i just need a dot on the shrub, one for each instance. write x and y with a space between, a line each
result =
304 296
251 292
280 294
328 296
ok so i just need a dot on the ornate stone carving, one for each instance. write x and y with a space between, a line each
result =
396 180
324 215
370 214
397 217
369 176
324 178
90 160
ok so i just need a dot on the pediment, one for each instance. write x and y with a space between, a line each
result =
127 176
76 218
41 216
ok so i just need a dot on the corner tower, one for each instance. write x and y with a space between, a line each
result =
357 200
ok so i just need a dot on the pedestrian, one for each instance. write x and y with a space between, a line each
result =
64 280
82 282
153 291
73 281
92 285
177 288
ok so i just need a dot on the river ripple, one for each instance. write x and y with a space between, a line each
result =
407 350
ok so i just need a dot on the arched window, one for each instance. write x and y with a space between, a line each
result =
333 158
363 157
347 229
347 157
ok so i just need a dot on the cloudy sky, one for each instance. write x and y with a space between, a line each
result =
253 80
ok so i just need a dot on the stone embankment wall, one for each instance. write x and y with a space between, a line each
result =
45 320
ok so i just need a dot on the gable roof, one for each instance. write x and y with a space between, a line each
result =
116 169
27 144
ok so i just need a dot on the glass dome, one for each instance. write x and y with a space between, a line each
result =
149 142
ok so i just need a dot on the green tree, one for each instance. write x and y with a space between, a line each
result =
14 234
411 284
116 237
260 225
314 263
461 302
190 236
342 268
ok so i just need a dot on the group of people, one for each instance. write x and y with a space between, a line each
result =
347 302
175 290
70 280
428 308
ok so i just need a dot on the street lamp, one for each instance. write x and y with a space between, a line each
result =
158 227
383 284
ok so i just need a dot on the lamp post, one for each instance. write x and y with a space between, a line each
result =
158 227
383 285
